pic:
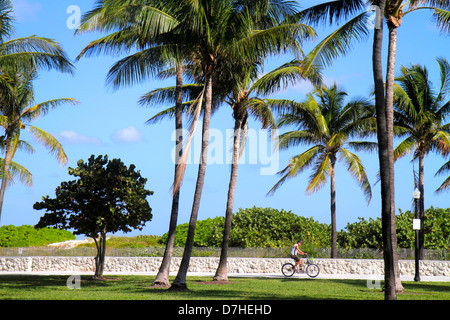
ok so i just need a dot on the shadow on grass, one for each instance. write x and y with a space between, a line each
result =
201 288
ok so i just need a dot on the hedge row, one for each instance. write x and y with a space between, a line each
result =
268 227
28 236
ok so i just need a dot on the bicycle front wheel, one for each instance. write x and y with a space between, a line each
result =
312 270
288 269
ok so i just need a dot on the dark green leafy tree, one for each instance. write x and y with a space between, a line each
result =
106 198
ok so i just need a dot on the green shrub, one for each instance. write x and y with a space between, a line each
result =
208 233
367 234
28 236
256 227
268 227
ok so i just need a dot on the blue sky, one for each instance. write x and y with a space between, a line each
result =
111 122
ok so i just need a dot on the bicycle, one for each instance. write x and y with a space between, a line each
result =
312 269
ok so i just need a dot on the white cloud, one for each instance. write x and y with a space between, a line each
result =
77 138
127 135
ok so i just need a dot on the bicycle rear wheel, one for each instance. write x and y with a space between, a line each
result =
288 269
312 270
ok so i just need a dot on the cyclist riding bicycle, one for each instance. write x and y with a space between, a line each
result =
295 251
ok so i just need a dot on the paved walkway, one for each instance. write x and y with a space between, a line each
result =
243 275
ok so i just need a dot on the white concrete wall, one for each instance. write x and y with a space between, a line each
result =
235 265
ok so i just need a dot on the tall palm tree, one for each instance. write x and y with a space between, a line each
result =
16 112
325 123
246 100
419 117
393 12
17 56
229 30
147 26
391 268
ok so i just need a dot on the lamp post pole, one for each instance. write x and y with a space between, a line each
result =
416 227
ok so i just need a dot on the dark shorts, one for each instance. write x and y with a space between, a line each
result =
296 258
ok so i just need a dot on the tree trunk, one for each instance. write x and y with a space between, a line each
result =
162 278
5 179
390 77
100 257
421 206
383 155
222 270
180 281
334 252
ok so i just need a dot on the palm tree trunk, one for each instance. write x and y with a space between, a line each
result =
383 155
222 270
180 280
334 253
390 77
5 179
162 278
421 206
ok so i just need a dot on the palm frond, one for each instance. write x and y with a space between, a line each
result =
140 66
49 142
297 164
35 52
405 147
444 186
166 95
295 138
285 75
330 12
196 108
322 167
43 108
17 172
339 42
442 18
357 171
363 145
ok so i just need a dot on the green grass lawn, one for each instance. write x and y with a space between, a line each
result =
30 287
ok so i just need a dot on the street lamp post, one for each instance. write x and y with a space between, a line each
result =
416 227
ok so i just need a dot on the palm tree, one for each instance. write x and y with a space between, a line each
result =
227 31
245 99
324 122
393 11
17 111
391 268
147 26
17 56
419 117
28 52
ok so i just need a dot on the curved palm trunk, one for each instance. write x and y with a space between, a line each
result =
180 281
334 253
383 155
162 278
5 179
390 77
222 270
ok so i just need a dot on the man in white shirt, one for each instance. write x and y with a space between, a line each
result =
295 250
